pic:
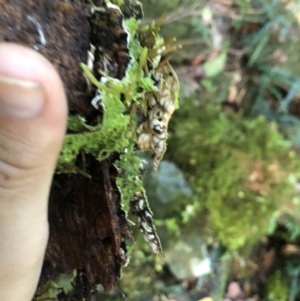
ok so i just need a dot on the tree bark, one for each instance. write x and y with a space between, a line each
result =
86 220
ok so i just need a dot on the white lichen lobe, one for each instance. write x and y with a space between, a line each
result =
40 31
152 133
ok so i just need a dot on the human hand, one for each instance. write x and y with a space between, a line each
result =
33 114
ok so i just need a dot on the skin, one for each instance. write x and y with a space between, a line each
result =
29 147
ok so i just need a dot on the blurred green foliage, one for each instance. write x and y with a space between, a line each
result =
230 177
241 170
277 288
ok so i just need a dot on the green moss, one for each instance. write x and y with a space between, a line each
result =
277 288
117 2
241 171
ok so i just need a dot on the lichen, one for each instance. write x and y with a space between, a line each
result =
123 102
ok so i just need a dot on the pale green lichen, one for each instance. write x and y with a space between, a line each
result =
129 164
117 129
121 100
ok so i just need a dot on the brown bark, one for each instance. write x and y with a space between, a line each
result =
86 221
85 226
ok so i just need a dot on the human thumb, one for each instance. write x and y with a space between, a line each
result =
33 111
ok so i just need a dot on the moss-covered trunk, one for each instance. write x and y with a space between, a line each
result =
120 100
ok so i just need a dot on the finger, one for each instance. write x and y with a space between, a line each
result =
33 114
